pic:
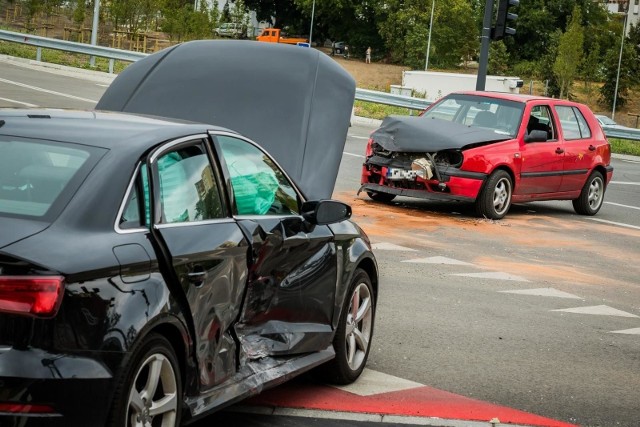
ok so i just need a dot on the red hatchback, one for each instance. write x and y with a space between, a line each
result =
491 149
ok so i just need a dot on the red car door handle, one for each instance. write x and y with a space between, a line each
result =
559 150
592 148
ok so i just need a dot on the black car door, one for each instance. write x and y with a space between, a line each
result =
291 287
205 247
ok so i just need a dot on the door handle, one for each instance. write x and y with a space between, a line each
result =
592 148
559 150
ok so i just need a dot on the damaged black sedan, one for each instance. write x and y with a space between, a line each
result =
153 270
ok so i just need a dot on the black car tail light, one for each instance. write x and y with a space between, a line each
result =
25 408
38 296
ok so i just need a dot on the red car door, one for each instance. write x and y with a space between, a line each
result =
542 162
580 148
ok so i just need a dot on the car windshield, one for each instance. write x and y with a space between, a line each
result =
499 115
37 178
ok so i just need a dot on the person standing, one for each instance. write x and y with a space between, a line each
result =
368 55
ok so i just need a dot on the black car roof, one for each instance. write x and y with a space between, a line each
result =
97 128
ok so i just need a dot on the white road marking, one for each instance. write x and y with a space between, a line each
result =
624 183
390 247
26 104
358 137
496 276
437 260
543 292
620 224
354 155
52 92
622 206
598 310
634 331
102 85
374 382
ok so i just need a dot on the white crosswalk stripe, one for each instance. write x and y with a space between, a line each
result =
600 310
542 292
437 260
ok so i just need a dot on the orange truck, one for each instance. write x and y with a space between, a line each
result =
272 35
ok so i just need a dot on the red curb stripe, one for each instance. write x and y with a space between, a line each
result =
416 402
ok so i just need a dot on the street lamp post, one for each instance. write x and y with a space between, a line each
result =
615 93
426 65
94 30
313 11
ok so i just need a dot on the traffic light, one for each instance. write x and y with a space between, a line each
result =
503 18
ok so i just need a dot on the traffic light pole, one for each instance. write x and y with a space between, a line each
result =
484 49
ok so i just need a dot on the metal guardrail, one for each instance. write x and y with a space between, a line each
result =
68 46
632 134
391 99
125 55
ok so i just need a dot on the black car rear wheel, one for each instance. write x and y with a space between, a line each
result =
381 197
494 199
591 196
352 341
149 393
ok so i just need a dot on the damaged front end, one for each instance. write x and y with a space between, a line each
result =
427 175
423 157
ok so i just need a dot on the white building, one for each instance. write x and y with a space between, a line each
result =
632 7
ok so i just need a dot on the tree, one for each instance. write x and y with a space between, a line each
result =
404 26
547 62
498 58
591 67
570 52
280 13
628 75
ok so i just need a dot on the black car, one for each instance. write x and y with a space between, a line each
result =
153 270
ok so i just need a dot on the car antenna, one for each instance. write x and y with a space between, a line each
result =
1 123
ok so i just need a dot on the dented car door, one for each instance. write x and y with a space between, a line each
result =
288 305
204 248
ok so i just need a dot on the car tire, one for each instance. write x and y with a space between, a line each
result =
590 200
352 341
494 200
381 197
153 370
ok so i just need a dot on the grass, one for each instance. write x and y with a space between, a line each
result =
58 57
625 146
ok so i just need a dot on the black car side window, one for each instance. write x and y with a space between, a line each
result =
259 186
188 187
136 212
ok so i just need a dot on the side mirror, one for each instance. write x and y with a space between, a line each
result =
323 212
536 136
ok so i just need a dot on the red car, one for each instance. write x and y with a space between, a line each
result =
491 149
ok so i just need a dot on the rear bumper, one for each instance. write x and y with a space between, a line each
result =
38 388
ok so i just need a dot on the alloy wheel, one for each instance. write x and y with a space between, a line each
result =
359 326
153 399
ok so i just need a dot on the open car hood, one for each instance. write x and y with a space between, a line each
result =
419 134
295 102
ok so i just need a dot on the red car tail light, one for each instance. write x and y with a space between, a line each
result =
22 408
369 151
38 296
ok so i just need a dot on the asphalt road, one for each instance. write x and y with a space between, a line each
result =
525 312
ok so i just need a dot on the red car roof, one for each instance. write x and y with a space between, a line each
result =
511 96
